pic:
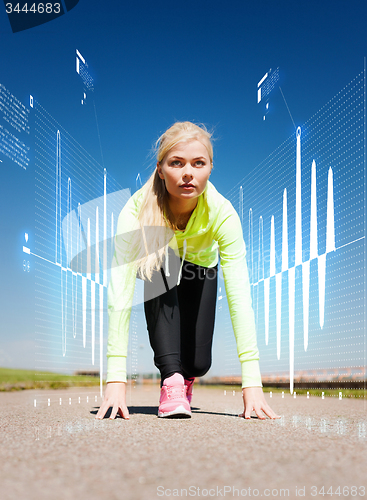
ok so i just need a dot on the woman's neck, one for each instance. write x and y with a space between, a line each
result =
182 210
181 214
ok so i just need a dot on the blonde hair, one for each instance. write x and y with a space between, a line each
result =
155 212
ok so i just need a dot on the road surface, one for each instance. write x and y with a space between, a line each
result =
59 451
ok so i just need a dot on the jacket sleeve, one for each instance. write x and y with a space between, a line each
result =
121 293
233 263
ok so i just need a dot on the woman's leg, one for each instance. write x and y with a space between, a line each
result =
197 295
163 322
180 321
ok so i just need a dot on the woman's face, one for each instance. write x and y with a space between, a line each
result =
185 169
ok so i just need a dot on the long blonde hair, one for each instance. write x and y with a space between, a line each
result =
156 220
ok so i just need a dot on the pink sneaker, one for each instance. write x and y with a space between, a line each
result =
189 382
173 400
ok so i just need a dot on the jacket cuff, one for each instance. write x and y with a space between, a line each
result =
251 376
116 369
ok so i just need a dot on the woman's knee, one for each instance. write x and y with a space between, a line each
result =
196 369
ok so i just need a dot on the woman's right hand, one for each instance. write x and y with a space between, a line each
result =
115 396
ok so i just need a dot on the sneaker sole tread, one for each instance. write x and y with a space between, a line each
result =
179 411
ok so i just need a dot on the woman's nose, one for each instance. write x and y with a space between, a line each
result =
187 170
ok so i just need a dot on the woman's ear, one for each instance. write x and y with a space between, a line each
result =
159 168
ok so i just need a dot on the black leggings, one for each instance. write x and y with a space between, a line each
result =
180 321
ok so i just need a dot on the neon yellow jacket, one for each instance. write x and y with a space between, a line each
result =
214 225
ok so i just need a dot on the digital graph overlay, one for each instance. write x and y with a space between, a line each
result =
265 87
303 217
14 129
81 67
74 230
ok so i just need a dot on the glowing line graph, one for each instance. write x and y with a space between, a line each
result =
64 230
305 266
66 270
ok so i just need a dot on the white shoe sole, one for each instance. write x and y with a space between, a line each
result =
180 410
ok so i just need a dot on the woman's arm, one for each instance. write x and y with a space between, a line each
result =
232 251
233 263
121 293
120 297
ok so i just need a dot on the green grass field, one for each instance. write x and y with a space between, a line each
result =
17 380
346 393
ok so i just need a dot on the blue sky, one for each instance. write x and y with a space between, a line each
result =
155 63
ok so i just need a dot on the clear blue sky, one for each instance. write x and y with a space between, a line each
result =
158 62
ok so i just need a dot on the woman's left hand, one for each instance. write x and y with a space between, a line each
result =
253 399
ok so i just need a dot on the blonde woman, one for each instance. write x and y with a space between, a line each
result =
169 234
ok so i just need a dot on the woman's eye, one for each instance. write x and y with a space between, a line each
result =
178 163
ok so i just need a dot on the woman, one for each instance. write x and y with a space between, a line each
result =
168 234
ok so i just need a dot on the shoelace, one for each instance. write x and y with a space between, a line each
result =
175 391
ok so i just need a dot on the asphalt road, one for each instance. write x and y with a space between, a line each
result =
59 451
